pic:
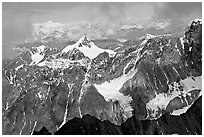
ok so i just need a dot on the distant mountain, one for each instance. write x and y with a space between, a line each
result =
109 43
50 31
150 85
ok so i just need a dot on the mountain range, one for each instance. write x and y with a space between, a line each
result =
148 85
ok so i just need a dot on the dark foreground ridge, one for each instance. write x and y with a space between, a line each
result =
143 88
189 123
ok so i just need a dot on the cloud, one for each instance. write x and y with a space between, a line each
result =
178 10
106 17
116 13
113 12
16 21
15 26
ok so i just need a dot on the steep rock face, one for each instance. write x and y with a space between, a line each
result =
189 123
158 77
186 123
193 45
160 71
43 96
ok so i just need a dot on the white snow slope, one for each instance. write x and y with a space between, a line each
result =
38 56
162 100
110 90
88 48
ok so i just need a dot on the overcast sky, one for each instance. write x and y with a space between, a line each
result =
19 17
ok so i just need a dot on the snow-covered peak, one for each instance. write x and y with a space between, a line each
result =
147 36
197 21
87 47
84 41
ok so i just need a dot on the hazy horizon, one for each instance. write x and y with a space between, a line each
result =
18 18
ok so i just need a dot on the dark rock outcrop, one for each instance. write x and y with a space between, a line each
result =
60 95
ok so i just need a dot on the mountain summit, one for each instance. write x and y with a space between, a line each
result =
87 47
151 87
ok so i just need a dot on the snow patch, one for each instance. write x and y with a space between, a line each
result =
189 84
180 111
192 83
60 63
198 20
38 56
162 100
148 36
110 90
88 48
145 38
182 42
122 40
19 67
173 134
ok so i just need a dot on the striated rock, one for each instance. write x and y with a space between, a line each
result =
153 87
189 123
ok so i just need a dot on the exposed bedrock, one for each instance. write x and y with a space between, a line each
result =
152 88
189 123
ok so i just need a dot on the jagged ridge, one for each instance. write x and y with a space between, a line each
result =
154 76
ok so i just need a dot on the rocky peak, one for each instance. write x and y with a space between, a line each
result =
147 82
193 33
84 41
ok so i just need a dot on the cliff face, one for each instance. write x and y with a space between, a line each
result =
152 87
189 123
